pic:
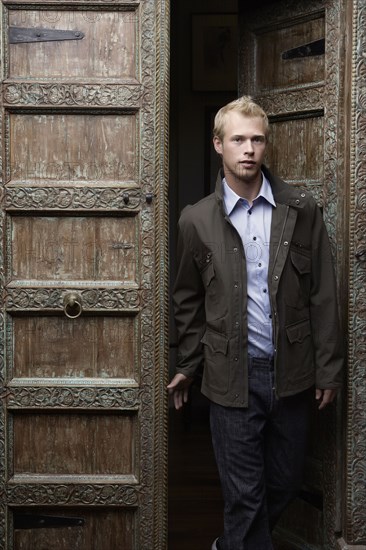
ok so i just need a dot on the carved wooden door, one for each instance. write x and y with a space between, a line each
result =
83 275
290 61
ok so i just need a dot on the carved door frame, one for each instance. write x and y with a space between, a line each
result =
354 524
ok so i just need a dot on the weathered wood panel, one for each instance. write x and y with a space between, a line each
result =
101 529
73 248
275 72
52 147
108 49
57 347
74 444
295 148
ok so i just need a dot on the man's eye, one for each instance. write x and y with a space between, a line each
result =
258 139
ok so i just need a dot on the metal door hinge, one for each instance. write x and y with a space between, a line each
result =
18 35
307 50
34 521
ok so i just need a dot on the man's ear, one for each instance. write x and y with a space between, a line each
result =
217 143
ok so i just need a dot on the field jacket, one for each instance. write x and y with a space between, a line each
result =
210 298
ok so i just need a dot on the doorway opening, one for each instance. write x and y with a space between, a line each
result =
203 78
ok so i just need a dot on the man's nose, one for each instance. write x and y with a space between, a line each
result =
248 147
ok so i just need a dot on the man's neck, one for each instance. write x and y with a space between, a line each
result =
246 189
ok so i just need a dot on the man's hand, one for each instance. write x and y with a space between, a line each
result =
324 397
179 388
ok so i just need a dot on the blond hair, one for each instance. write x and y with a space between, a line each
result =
243 105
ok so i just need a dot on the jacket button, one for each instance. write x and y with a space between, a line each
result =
276 277
235 249
297 201
303 195
235 358
285 243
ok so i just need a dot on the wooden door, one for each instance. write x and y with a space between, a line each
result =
83 275
292 62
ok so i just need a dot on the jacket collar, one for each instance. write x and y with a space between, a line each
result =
283 193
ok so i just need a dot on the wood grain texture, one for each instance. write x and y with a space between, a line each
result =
74 444
57 347
102 530
108 49
75 248
273 71
51 148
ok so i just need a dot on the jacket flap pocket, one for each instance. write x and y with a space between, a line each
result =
208 274
298 332
301 262
217 342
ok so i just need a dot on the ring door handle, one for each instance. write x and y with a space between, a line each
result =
73 305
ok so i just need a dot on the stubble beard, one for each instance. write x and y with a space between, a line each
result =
244 176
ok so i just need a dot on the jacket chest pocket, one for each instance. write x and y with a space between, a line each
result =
298 277
215 303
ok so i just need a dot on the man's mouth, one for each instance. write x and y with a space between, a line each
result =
247 163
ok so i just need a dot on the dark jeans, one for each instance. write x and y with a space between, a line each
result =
260 454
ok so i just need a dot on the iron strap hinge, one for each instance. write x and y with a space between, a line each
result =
18 35
307 50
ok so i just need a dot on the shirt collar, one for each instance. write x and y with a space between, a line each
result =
231 198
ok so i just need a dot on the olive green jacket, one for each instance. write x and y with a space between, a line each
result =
210 299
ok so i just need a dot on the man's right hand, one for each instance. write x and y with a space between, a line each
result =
179 388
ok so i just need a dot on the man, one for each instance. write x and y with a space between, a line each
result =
255 303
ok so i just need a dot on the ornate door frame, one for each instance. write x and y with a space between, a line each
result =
354 524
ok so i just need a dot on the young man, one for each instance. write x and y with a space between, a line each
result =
255 304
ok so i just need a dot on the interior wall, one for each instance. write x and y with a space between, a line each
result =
188 133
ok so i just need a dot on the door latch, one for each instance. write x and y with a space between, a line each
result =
18 35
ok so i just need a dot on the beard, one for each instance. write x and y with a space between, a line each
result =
242 174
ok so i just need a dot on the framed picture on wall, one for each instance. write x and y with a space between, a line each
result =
214 52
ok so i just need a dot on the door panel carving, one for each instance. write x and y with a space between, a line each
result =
83 277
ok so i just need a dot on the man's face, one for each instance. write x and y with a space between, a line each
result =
242 148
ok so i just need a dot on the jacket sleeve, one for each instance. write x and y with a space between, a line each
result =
326 330
189 305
